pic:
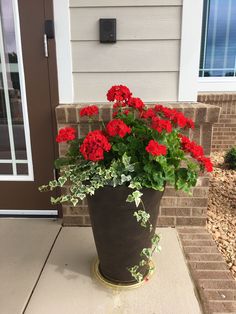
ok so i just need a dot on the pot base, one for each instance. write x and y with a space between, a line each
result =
99 277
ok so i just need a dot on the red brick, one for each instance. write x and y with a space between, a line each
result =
61 114
220 295
106 114
199 211
222 307
188 221
204 257
208 265
190 230
189 236
201 249
71 114
212 274
87 221
74 211
169 202
175 211
165 221
200 192
198 243
73 220
192 202
217 284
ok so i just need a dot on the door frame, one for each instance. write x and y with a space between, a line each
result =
54 101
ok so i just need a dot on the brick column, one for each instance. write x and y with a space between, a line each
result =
177 208
224 132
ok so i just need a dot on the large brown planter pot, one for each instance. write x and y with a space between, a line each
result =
118 236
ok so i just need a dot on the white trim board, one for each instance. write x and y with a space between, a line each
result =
22 212
190 49
217 84
63 51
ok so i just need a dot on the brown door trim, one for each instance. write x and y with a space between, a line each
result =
42 98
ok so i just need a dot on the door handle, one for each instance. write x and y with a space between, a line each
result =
48 34
45 43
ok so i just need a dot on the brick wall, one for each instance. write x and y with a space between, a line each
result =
224 132
214 283
177 208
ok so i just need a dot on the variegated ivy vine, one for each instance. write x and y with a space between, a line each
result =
146 254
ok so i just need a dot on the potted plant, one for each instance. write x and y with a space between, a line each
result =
122 168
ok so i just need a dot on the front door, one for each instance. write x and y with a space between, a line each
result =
28 96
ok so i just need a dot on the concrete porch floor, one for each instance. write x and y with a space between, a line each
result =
45 269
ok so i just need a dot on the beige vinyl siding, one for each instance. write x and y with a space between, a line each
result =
123 3
133 23
97 84
126 56
145 57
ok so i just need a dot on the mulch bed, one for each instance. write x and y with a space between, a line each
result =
221 222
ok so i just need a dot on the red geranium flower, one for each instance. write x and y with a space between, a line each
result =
117 127
206 162
161 125
191 147
89 111
145 114
167 112
126 112
175 116
190 124
66 134
136 103
156 149
119 93
196 152
94 145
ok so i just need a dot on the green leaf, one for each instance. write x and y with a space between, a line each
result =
62 181
147 252
134 197
142 216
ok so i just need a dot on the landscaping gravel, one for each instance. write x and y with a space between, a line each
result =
221 222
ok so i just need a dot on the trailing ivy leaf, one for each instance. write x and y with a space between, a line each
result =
147 252
62 181
142 216
74 201
53 184
135 197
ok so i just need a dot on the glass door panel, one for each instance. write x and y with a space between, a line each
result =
15 151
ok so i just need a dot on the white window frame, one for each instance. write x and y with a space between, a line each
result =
190 49
190 84
14 176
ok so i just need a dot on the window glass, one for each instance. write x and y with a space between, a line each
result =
218 49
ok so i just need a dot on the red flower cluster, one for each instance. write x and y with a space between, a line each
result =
206 163
89 111
156 149
119 93
66 134
146 114
175 116
94 145
117 127
196 152
191 147
136 103
115 113
159 125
